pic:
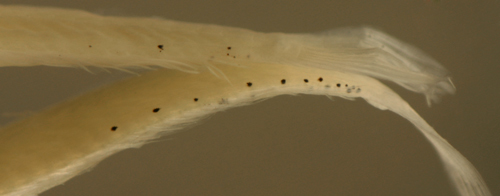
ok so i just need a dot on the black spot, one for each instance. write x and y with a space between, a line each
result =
229 47
320 79
346 85
160 47
249 84
113 128
156 110
283 81
338 84
306 80
195 99
223 101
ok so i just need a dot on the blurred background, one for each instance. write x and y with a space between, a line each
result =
297 145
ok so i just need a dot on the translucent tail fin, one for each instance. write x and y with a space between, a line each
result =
464 177
371 52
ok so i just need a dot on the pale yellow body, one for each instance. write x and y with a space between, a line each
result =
73 131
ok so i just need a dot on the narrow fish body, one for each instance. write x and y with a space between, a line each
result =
58 37
209 68
79 133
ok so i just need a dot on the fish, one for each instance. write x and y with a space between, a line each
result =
196 70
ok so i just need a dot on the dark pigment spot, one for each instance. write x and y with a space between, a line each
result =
320 79
195 99
223 101
229 47
346 85
338 84
113 128
249 84
227 54
306 80
160 47
283 81
90 46
156 110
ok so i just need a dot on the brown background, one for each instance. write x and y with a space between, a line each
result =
299 145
